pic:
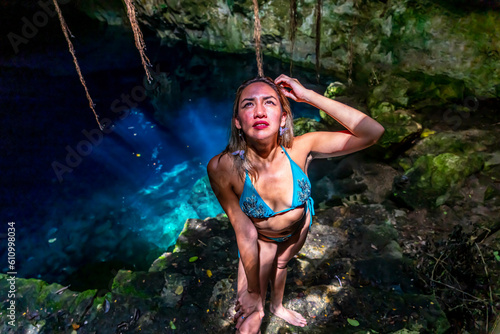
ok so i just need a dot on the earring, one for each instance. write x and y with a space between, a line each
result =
282 130
241 153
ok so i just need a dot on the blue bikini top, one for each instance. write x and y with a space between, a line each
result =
254 206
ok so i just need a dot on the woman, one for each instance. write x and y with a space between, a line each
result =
261 183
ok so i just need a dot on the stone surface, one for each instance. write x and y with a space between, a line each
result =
303 125
441 168
351 258
401 128
409 38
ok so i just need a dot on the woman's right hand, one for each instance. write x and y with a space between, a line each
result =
247 304
291 88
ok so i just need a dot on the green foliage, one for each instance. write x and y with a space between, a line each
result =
353 322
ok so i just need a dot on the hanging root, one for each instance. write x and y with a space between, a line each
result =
139 39
351 47
293 30
318 36
67 33
256 36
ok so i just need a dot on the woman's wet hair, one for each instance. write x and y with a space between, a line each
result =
237 139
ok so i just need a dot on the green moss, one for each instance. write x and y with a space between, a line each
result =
393 89
45 290
98 301
304 125
433 179
80 303
449 169
125 283
405 163
399 124
457 142
334 90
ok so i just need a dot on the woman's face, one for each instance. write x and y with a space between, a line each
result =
259 111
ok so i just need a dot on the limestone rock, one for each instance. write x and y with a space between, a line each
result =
304 125
401 128
433 179
400 39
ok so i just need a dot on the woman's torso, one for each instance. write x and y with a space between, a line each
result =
277 187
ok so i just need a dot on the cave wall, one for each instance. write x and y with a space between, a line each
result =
360 40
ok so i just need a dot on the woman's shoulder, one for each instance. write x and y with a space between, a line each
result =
300 151
301 145
222 162
223 175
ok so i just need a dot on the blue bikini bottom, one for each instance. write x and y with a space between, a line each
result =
283 239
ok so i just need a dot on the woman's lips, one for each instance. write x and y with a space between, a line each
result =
260 125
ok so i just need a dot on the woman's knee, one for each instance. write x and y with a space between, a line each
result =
281 263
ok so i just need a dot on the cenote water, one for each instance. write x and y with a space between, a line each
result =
87 205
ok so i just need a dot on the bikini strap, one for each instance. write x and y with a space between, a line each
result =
286 152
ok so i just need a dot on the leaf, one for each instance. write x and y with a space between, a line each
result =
172 325
353 322
427 133
179 290
209 273
192 259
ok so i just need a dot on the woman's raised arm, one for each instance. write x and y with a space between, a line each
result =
363 131
220 174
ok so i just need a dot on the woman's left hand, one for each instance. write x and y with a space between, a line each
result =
291 88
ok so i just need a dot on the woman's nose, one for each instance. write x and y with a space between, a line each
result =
260 111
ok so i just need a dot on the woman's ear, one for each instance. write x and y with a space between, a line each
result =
283 119
237 123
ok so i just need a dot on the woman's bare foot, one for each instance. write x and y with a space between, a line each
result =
292 317
251 325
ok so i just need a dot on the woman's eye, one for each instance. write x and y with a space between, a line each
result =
247 104
270 102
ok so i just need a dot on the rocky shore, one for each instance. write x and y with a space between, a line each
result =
351 271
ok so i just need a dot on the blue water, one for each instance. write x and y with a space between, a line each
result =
127 197
124 199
